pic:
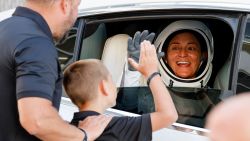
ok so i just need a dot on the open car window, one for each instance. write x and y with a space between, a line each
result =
107 40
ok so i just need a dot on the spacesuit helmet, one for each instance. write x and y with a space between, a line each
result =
204 36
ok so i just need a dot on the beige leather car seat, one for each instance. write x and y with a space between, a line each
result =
114 56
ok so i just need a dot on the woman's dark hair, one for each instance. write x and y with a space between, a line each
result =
197 35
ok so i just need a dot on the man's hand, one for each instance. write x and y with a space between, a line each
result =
134 45
94 125
148 62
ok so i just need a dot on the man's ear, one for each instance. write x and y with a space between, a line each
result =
103 85
65 6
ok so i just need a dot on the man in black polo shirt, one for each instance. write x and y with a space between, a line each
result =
90 86
30 76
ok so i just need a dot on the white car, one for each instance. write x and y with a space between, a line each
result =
101 32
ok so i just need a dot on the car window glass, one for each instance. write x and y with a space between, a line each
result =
243 83
93 42
192 104
65 47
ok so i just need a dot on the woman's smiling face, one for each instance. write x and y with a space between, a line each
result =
184 55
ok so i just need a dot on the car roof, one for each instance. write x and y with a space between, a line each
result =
93 7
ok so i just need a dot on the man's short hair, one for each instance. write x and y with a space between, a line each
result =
81 79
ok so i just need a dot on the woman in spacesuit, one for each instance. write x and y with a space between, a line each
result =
188 47
187 63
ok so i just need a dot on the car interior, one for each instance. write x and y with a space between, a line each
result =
107 41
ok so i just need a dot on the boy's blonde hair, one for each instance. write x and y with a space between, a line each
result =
81 79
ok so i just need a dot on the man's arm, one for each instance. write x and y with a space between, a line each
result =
165 113
41 119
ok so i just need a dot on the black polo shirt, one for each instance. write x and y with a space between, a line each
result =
121 128
28 68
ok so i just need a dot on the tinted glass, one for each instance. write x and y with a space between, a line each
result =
243 83
192 104
65 47
93 42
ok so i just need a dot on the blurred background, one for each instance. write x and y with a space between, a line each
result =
9 4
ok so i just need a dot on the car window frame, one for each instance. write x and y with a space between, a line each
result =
91 19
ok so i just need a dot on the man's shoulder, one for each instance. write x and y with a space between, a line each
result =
17 30
22 26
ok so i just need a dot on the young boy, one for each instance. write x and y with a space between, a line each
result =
90 86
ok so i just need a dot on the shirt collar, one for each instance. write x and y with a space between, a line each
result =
36 17
83 114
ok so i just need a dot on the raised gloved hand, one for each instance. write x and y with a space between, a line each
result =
134 46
